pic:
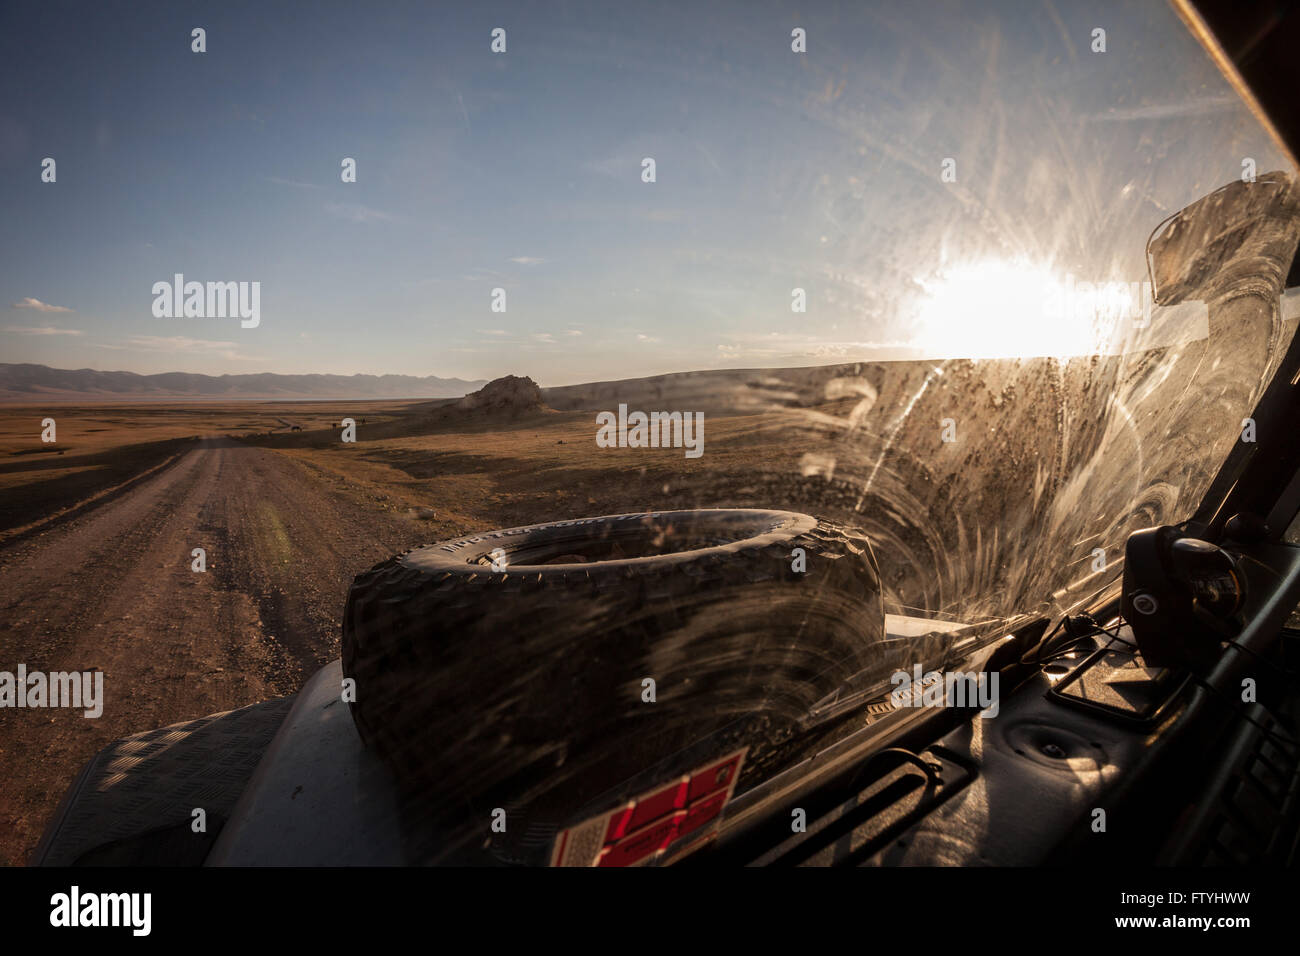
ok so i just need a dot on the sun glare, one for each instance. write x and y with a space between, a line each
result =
1000 309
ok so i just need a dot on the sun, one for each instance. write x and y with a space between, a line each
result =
1017 309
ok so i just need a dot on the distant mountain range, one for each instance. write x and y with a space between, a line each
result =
40 382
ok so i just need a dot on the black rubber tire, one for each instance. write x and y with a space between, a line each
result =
522 688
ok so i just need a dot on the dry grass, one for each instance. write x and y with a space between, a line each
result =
477 474
101 446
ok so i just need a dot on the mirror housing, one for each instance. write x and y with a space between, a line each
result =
1243 229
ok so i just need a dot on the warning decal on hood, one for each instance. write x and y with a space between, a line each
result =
681 815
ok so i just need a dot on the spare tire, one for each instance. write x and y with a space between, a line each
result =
524 687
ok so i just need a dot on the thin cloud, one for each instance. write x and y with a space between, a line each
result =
642 337
44 330
292 182
544 337
38 305
185 345
614 166
527 260
573 331
355 212
709 156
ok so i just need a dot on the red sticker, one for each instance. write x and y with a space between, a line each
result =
674 815
660 803
635 847
719 776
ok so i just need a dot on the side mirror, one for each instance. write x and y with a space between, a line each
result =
1181 597
1239 231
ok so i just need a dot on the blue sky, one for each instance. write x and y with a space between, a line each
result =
523 171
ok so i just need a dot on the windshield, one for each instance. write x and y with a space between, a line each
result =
925 243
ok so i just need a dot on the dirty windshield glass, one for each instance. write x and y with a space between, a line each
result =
916 258
925 245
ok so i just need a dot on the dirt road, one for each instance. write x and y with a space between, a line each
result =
113 589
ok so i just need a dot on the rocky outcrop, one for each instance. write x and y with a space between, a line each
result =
514 393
